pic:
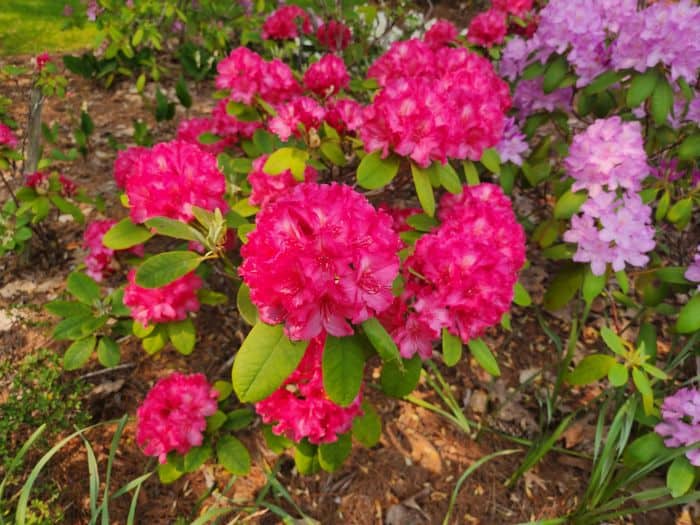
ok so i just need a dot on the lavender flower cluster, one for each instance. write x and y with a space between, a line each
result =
680 423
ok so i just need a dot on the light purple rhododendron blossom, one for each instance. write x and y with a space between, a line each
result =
513 144
609 153
693 271
612 229
680 423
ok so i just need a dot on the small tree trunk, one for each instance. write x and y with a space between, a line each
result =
33 144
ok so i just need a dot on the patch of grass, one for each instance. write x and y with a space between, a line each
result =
34 26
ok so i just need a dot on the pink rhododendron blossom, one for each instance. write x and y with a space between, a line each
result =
513 144
441 33
334 35
300 408
488 28
100 260
41 60
399 216
434 105
693 271
171 302
228 126
247 74
327 76
266 188
300 110
344 114
191 130
285 22
127 163
612 229
173 415
173 177
39 181
529 98
461 275
609 153
680 421
516 7
320 256
7 137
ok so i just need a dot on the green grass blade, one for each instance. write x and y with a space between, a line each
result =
112 452
94 481
17 460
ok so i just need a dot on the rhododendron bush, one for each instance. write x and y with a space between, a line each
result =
371 217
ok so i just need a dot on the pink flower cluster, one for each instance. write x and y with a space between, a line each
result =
171 302
608 154
515 7
301 409
248 75
680 423
39 181
513 144
440 34
693 271
285 23
100 259
41 60
612 229
300 111
434 104
488 28
172 177
320 256
334 35
461 275
127 163
7 137
327 76
173 415
266 188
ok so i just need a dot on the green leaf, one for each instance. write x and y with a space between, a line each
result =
647 337
614 342
381 340
375 172
125 234
168 473
672 274
491 160
242 112
246 308
569 204
156 340
424 189
451 348
68 208
343 367
536 173
593 285
164 268
470 173
108 352
448 177
79 352
602 82
266 358
68 308
622 281
233 455
680 476
182 335
661 101
182 93
175 229
663 206
215 421
265 141
618 375
332 455
398 379
563 287
690 147
196 457
554 74
275 443
644 449
689 317
642 87
83 288
77 327
641 381
681 212
483 355
521 296
306 458
421 222
211 297
239 419
284 159
592 368
367 428
334 153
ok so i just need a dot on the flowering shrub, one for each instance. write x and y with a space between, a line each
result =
385 209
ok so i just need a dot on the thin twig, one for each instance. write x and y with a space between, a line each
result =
107 370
